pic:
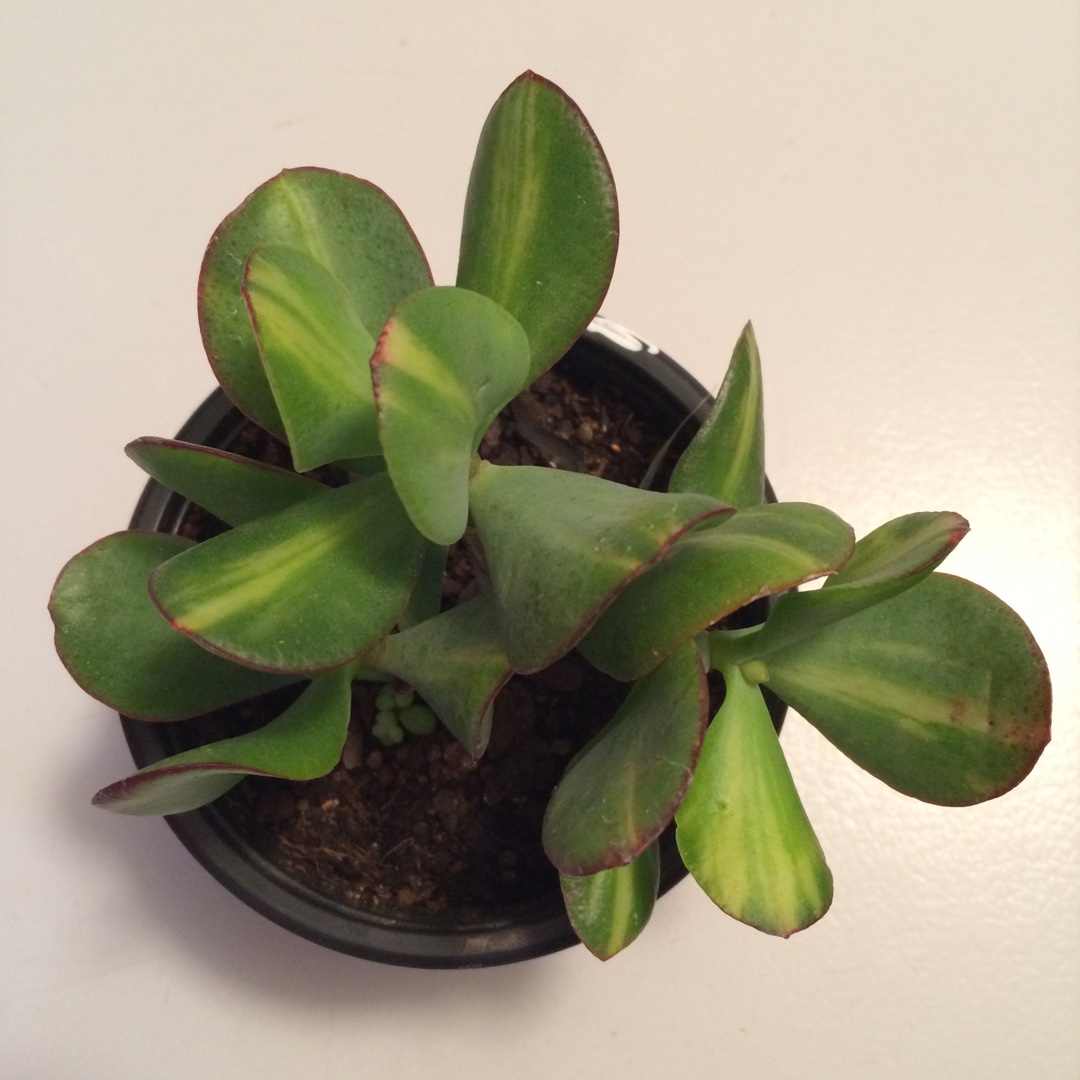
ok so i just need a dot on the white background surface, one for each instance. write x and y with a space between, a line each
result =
891 192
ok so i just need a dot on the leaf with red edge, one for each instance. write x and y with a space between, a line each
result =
304 590
541 221
233 488
301 744
885 562
447 361
621 791
560 546
742 831
315 352
118 648
609 909
941 691
759 551
350 227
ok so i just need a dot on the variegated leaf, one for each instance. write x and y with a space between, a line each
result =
560 546
316 354
742 831
726 458
541 219
117 647
941 691
301 744
303 591
609 909
233 488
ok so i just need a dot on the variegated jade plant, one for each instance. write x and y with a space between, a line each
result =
322 324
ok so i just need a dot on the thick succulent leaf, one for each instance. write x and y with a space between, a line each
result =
348 225
609 909
621 791
560 546
940 691
117 647
726 458
315 352
304 590
760 551
456 663
233 488
301 744
742 831
541 221
448 360
885 562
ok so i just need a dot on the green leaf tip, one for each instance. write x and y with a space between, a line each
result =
233 488
726 458
609 909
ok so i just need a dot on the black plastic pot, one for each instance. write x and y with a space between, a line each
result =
663 394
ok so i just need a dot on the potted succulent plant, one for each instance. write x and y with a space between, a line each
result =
322 324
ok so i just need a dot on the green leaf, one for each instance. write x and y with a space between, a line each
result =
541 221
304 590
760 551
347 225
315 352
456 663
609 909
118 648
233 488
448 360
742 831
301 744
621 791
885 562
941 691
726 458
560 546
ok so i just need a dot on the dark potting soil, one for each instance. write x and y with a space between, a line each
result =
420 828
